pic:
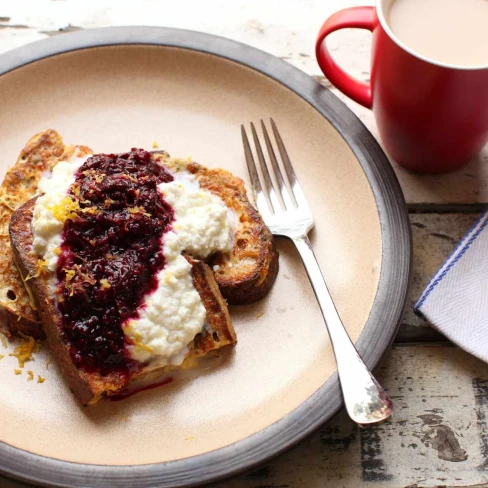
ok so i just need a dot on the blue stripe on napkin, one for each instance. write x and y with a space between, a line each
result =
451 261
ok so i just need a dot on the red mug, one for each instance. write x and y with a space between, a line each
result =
431 117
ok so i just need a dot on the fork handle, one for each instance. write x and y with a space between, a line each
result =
366 401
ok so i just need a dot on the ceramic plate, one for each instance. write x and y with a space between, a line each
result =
117 88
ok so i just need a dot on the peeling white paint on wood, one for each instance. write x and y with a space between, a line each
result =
437 437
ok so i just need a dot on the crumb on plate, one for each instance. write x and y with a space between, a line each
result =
24 352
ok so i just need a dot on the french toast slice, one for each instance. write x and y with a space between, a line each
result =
90 387
41 153
248 272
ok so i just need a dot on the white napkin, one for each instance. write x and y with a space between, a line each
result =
456 300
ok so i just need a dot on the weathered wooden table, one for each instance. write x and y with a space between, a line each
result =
439 435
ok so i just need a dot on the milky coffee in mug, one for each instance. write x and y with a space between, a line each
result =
428 87
453 32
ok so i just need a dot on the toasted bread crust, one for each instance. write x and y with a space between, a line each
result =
219 333
249 271
89 387
41 154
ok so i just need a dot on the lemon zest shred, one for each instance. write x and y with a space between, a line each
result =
144 347
1 356
40 379
24 352
167 277
105 284
90 210
66 209
30 375
134 210
89 279
41 269
155 145
17 371
138 341
99 177
70 274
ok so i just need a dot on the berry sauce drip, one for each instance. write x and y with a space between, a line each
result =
110 255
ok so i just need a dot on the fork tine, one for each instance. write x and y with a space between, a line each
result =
257 190
285 194
297 191
251 166
268 184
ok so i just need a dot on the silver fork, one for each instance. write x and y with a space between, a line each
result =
366 401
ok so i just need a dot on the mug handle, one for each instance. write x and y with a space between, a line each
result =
358 18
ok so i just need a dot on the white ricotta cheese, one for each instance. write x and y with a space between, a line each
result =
171 316
203 222
45 226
